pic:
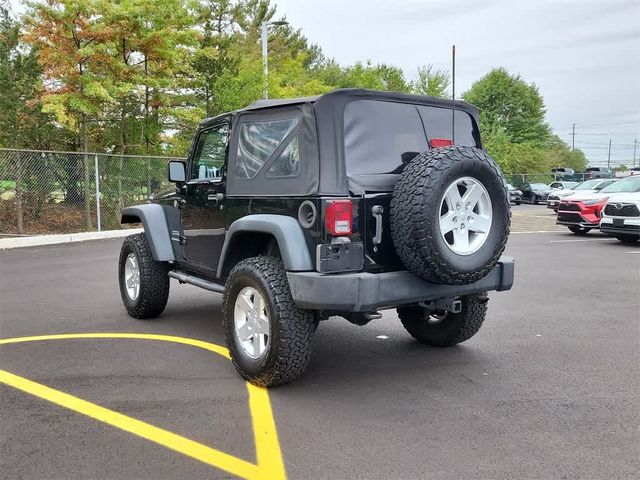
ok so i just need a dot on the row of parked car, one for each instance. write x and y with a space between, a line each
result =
612 205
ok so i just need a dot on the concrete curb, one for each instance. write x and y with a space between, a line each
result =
36 241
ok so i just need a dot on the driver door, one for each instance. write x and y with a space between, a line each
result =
203 215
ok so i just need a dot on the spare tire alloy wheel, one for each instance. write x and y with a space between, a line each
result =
465 215
450 215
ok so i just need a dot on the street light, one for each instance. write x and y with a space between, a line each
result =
265 66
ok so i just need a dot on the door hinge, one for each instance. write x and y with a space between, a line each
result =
182 239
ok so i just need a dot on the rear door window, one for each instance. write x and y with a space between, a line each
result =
378 135
381 137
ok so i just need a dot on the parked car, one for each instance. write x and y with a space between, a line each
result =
324 206
590 186
563 172
621 217
535 193
582 212
598 172
562 185
515 195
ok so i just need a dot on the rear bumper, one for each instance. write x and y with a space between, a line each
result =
365 292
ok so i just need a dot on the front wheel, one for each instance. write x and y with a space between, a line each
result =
144 282
579 230
268 336
444 329
628 238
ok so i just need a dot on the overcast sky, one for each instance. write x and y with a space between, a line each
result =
583 55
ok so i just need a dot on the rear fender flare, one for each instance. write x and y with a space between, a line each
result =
287 232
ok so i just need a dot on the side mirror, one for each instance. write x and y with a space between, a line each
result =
177 171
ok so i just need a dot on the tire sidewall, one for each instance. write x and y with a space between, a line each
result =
483 173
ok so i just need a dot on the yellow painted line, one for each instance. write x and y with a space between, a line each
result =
268 454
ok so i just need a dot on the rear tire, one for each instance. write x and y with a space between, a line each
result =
283 332
578 230
628 238
447 329
144 282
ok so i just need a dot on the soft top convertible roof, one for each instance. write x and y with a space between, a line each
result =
324 127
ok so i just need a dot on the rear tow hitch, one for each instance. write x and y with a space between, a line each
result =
452 305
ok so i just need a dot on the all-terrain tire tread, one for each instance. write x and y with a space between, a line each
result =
154 278
294 326
414 199
467 322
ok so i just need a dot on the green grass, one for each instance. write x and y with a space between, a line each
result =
7 185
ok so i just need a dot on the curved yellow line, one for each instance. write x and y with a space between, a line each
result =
268 453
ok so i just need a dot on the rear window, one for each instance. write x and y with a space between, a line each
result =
381 137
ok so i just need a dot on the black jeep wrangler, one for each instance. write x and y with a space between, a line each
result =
343 204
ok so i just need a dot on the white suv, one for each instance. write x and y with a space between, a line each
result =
621 217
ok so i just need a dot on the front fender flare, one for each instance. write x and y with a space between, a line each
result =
287 232
154 220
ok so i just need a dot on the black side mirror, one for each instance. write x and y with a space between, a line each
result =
177 171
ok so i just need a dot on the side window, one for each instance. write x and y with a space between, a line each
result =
211 151
256 143
288 163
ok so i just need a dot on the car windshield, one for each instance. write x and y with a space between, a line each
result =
631 184
588 185
539 186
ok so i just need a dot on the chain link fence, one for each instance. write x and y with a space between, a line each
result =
64 192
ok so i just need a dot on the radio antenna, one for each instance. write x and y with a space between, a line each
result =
453 94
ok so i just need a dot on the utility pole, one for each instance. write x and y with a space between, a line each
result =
609 155
265 54
573 137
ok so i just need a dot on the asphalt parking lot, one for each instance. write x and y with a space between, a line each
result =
548 388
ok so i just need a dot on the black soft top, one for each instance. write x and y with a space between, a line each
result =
322 128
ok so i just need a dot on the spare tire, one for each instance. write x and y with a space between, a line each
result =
450 215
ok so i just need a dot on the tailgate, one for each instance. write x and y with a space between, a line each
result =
381 256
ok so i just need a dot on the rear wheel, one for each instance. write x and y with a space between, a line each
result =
144 282
445 329
628 238
578 230
268 336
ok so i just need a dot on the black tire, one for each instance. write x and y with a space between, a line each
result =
518 203
154 279
448 329
288 347
628 238
416 208
578 230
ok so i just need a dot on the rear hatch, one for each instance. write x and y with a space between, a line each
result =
380 139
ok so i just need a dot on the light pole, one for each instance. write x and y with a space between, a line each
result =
265 56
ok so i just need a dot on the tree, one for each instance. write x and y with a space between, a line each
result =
508 102
22 123
431 82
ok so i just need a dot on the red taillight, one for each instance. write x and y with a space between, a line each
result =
339 217
440 142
